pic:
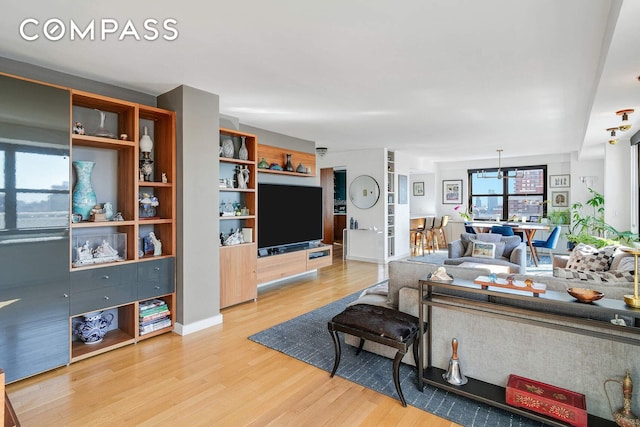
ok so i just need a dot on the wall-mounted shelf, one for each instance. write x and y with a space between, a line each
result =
279 155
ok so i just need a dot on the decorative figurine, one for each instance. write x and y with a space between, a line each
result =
242 177
157 244
118 217
145 163
78 128
124 136
164 178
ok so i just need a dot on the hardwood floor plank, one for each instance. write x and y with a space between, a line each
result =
218 376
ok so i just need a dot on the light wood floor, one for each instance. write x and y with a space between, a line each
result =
217 376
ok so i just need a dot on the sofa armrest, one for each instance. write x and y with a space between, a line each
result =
455 249
560 261
519 257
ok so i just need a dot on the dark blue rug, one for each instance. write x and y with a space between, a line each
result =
306 338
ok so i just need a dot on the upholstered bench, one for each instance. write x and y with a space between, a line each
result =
378 324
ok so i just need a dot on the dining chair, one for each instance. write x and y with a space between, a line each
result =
468 228
550 243
440 231
505 230
431 241
418 226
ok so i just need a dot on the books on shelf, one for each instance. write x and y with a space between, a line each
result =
149 304
154 325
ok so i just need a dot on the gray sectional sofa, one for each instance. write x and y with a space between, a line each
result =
492 347
510 251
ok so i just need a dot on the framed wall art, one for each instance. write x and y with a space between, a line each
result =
418 188
452 192
559 181
402 189
560 199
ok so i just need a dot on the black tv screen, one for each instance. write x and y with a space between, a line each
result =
288 214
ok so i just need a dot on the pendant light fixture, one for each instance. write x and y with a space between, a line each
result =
612 139
499 173
626 125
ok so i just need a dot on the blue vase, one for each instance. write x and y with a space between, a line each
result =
83 197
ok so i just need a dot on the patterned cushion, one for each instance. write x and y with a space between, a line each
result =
594 276
587 258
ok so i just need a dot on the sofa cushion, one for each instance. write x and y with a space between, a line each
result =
587 258
468 240
618 257
611 276
483 249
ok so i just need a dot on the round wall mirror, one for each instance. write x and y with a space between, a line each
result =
364 191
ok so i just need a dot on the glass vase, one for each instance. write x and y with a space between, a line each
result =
289 166
243 153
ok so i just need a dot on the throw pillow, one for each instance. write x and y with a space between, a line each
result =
467 240
587 258
510 242
618 256
483 250
627 263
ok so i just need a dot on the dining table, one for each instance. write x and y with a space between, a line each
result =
528 228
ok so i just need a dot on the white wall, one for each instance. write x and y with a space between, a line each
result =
617 185
422 206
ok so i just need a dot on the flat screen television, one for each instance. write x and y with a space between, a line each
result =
288 214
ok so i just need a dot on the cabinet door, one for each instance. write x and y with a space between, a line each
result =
34 225
238 281
156 278
34 327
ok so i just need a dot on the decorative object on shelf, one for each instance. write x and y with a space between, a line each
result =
108 210
275 167
98 214
243 153
227 148
301 168
288 166
94 327
585 295
78 128
235 238
157 244
83 197
164 178
148 203
118 217
76 218
263 164
454 373
103 252
124 136
102 130
623 416
242 175
247 235
146 164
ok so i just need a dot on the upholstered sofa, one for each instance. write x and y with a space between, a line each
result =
493 346
507 251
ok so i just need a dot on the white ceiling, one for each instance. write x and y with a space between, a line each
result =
450 79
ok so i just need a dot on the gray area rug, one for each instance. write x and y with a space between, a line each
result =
306 338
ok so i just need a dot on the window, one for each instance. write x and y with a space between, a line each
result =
34 188
521 195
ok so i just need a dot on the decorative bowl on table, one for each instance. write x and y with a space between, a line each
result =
585 295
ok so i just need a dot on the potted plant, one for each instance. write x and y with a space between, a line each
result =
588 225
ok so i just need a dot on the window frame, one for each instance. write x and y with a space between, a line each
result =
505 188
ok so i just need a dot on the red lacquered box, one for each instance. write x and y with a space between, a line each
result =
564 405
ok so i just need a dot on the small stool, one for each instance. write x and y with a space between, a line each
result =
383 325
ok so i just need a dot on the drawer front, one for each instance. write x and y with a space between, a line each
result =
156 278
99 299
98 278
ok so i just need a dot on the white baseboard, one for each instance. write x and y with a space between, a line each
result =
181 329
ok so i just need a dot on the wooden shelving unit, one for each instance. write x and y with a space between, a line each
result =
238 281
118 181
279 155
